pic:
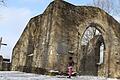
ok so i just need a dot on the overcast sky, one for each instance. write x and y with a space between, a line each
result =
16 15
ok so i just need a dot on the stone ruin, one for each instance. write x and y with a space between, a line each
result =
4 64
49 39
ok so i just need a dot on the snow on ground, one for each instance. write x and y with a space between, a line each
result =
15 75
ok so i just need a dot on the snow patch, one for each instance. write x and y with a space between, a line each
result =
15 75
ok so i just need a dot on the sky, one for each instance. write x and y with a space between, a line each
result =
15 15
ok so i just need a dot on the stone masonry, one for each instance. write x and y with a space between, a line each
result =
48 39
4 64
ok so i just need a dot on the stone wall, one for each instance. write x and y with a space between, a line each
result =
4 64
49 37
1 62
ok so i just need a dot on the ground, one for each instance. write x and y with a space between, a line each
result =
15 75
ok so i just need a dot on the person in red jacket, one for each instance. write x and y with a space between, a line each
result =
70 67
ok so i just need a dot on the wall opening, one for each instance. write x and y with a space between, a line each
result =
92 51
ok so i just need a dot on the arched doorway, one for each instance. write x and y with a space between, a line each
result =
92 51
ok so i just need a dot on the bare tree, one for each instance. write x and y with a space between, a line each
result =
110 6
2 2
106 5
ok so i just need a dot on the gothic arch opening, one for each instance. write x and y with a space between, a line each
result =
92 51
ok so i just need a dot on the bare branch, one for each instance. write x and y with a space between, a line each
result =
106 5
110 6
2 2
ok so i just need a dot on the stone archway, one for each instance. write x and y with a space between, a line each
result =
92 51
108 37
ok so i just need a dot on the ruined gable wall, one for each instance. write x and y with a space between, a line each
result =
36 39
59 30
77 19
